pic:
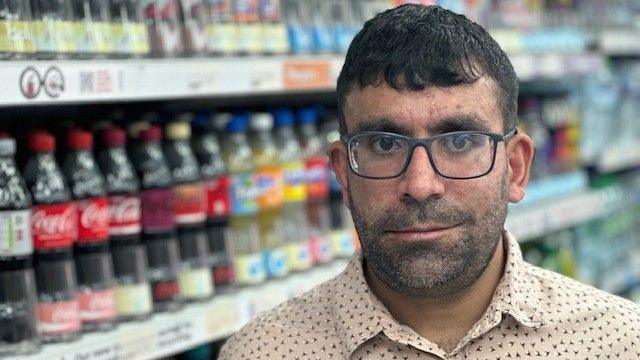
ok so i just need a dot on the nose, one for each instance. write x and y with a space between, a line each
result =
420 181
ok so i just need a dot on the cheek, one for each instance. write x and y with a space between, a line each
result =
372 195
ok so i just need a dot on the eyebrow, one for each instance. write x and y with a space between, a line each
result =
446 125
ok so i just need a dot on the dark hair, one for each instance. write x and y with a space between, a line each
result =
415 46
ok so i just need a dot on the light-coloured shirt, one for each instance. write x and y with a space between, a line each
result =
533 314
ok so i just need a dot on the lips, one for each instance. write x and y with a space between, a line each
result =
422 233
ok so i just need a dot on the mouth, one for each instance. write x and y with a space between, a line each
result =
422 233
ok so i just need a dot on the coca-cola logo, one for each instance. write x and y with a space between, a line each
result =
63 314
62 223
94 214
125 211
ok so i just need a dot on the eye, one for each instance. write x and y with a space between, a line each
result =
382 144
459 143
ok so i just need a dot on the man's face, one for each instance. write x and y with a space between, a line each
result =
422 234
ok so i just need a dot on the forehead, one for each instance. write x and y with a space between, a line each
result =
425 112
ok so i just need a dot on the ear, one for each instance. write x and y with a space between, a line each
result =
339 161
520 152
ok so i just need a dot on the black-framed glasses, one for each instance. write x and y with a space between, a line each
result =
459 155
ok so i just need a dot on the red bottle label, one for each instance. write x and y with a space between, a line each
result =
58 318
317 175
190 203
93 219
124 215
157 210
218 197
54 226
97 306
165 290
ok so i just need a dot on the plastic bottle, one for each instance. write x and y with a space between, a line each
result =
132 292
323 32
18 333
194 22
92 28
245 14
16 39
53 229
243 226
273 31
317 184
94 266
217 184
53 28
295 229
195 279
222 31
270 183
158 218
297 19
127 29
342 233
163 26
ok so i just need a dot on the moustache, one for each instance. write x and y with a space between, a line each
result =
412 213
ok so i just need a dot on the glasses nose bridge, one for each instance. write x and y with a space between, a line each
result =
416 143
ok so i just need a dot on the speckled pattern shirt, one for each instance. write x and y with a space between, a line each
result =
534 314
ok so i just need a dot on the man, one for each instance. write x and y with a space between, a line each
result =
429 159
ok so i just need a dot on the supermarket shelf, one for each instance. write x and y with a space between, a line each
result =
619 158
545 217
620 42
88 81
170 333
30 83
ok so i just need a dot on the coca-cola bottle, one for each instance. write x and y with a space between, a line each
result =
132 292
53 230
92 256
217 184
18 333
158 218
190 208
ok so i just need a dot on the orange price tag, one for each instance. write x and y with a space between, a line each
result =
306 75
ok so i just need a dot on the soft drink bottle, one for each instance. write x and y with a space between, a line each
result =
194 23
217 184
317 181
158 218
18 333
16 40
93 28
94 266
53 230
273 32
163 25
270 183
298 19
222 31
243 227
132 293
127 29
190 208
52 28
295 229
245 14
342 233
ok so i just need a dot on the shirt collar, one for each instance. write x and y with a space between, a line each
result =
515 295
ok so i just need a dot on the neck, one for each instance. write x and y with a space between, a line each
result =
446 320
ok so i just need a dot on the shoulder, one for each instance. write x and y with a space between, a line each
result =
294 329
581 307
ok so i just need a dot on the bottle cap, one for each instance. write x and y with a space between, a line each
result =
41 141
151 134
136 127
79 140
202 120
7 146
114 137
307 116
237 124
178 130
261 121
221 120
283 117
186 117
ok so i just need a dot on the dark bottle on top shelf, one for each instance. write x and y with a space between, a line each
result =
132 292
92 256
158 218
53 230
18 333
